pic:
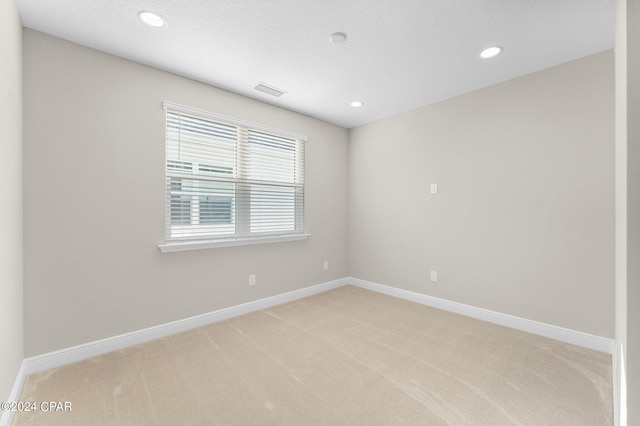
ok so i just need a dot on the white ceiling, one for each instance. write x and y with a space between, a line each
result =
399 55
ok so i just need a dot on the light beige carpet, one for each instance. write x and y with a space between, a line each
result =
345 357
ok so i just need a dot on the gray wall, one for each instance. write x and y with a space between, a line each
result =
524 221
94 202
11 211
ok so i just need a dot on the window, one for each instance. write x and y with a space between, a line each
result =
230 180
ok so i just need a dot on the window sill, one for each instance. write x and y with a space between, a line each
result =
205 244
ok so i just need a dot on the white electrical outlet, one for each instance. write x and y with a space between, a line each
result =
434 188
326 265
434 276
252 280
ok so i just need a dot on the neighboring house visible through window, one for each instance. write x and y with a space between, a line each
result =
228 179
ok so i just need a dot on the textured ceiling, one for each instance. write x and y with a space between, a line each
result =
399 55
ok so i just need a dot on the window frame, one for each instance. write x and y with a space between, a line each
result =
195 241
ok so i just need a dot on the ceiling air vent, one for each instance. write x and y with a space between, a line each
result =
269 90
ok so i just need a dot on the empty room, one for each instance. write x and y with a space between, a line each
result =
320 213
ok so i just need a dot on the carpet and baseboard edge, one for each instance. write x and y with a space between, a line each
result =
87 350
600 344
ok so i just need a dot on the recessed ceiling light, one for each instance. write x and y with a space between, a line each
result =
356 104
337 38
491 52
152 19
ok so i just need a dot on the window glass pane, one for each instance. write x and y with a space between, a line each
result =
215 210
180 204
192 140
212 170
216 202
179 166
273 209
271 158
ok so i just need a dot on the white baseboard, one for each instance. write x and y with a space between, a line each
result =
110 344
601 344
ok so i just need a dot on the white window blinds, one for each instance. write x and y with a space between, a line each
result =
229 179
